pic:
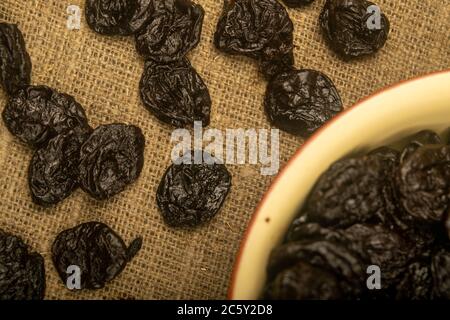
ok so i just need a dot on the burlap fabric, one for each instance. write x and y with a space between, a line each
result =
103 74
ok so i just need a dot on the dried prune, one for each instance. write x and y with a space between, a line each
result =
53 171
173 30
36 114
190 194
327 255
247 27
15 63
349 29
110 159
303 282
297 3
118 17
175 93
372 244
259 29
423 183
301 101
96 249
387 153
380 246
276 58
440 269
352 191
22 272
418 140
415 283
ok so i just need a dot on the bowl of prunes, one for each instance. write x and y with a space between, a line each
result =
361 211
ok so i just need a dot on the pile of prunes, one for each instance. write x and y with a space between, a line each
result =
165 32
383 212
68 152
298 101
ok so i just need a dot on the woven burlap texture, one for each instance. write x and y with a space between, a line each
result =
103 73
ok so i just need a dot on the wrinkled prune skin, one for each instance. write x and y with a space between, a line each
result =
371 244
53 170
380 246
96 249
303 282
416 283
22 272
387 153
111 159
276 58
420 139
259 29
352 191
192 194
174 29
301 101
35 114
141 16
118 17
423 183
15 62
297 3
440 269
175 93
327 255
344 24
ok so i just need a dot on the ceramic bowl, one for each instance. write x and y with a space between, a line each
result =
381 119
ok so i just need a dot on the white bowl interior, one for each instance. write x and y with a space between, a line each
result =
382 119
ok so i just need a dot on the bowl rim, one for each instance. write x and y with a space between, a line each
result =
297 153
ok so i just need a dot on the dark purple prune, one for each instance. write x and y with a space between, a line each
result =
440 269
247 27
111 159
259 29
142 15
301 230
22 272
36 114
420 139
387 153
351 191
96 249
53 171
118 17
303 282
415 283
348 29
373 244
174 29
276 58
423 183
190 194
301 101
15 63
175 93
297 3
327 255
379 246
